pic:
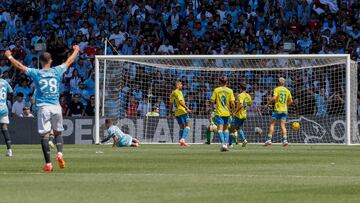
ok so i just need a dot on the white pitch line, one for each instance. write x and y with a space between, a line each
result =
173 175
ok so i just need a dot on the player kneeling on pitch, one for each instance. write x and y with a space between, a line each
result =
120 139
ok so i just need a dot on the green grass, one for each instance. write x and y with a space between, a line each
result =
200 173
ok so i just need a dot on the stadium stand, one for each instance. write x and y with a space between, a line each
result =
167 27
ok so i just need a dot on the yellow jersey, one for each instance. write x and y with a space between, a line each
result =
282 95
245 100
176 97
223 96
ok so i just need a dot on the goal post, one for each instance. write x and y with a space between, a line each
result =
324 89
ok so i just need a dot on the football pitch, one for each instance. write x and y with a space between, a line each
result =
199 173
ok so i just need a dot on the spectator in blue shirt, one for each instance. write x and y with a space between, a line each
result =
137 93
90 84
321 103
84 94
127 48
198 31
74 82
24 89
305 44
83 67
38 38
30 55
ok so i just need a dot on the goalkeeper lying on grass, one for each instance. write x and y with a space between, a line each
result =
120 139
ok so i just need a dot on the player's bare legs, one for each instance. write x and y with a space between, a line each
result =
284 133
271 132
116 140
5 132
59 147
211 128
135 142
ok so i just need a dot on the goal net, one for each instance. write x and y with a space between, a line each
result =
135 91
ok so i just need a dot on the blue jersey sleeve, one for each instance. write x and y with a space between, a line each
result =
32 72
60 69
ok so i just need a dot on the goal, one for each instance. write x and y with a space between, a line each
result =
324 90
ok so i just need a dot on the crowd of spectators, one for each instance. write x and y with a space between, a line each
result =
169 27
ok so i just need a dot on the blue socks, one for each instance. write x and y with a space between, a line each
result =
221 137
226 135
241 135
185 133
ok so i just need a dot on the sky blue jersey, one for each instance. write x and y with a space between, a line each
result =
124 139
47 82
5 88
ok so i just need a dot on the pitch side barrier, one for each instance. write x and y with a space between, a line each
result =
156 130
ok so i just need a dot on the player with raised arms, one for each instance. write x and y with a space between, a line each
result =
47 82
120 139
5 89
239 116
224 99
181 112
282 99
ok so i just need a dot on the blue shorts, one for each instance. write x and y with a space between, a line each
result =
279 116
183 119
237 122
222 120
